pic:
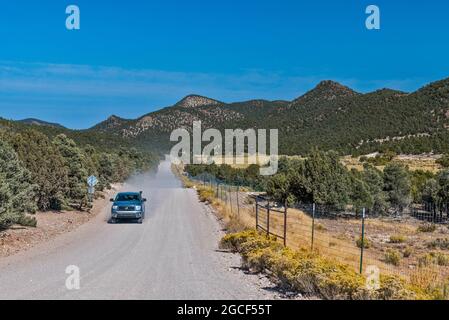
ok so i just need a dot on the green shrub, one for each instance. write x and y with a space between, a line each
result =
28 221
397 238
442 244
366 243
392 257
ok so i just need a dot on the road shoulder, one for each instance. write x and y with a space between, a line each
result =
50 225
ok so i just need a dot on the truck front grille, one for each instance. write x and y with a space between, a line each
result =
126 208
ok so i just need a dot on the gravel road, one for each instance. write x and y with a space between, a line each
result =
172 255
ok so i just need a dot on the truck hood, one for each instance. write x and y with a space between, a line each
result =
127 203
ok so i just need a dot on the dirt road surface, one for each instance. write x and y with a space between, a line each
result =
172 255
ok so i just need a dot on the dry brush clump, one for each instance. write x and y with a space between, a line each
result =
427 228
439 243
434 258
206 194
398 238
310 273
365 242
231 220
392 257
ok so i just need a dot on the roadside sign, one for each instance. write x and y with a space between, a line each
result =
92 181
91 190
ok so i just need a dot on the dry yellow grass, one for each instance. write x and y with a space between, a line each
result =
425 163
336 239
241 162
414 163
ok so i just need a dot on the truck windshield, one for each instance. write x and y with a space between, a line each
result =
127 197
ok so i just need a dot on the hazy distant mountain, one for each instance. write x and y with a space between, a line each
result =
40 123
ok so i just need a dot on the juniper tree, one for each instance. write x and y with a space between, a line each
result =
398 186
374 181
328 179
17 193
46 165
75 162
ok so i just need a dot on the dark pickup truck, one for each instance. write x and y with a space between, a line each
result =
128 205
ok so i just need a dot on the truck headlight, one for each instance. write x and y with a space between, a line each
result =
114 207
138 208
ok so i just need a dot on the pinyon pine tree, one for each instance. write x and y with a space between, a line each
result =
16 190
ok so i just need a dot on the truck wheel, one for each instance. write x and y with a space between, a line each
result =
112 221
140 221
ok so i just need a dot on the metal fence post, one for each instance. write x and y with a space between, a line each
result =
230 198
362 246
257 213
268 218
285 223
313 225
238 204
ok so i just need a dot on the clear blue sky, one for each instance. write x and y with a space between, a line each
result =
132 57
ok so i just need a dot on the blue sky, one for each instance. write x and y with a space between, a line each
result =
133 57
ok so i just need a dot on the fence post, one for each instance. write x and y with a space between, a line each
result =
362 246
257 212
217 189
230 197
313 225
285 223
268 218
238 204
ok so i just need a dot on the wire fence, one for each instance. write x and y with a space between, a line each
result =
413 245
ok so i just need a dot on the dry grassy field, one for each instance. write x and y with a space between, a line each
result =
422 162
414 162
406 247
403 246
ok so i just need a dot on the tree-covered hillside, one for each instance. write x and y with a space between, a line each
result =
46 167
331 116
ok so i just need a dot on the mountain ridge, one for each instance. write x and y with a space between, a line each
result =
34 121
330 116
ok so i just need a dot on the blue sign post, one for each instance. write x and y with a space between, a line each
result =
91 182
